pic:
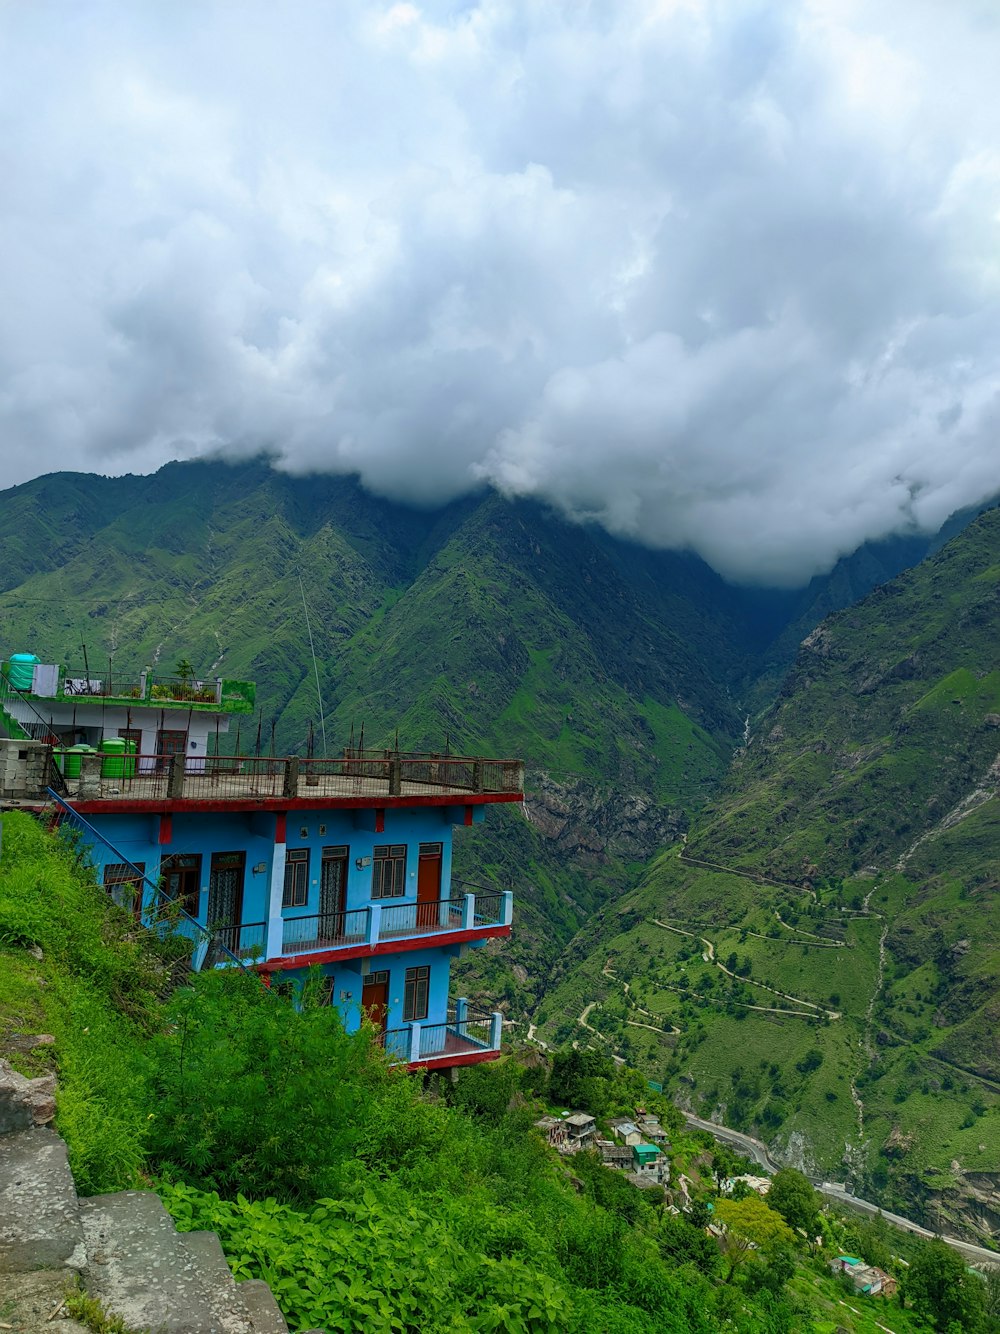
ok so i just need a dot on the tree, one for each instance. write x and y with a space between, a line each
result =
794 1198
991 1291
578 1078
683 1244
942 1289
724 1163
750 1226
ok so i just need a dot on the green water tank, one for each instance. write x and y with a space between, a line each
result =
128 763
73 759
113 750
21 670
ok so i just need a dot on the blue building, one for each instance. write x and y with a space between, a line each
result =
286 864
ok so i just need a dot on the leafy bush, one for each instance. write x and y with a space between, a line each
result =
252 1095
374 1262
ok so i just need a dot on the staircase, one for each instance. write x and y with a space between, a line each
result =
124 1248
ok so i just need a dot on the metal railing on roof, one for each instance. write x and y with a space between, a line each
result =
232 777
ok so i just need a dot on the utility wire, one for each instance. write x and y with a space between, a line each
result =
312 650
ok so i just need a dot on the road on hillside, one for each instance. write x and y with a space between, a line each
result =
754 1149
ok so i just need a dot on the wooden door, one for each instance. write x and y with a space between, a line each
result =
429 884
225 897
168 744
182 880
332 893
375 999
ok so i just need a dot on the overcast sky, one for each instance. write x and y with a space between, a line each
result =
722 275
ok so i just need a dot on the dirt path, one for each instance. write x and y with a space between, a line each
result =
540 1042
609 972
709 957
756 876
820 941
714 1000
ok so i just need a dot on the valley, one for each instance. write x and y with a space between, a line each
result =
765 872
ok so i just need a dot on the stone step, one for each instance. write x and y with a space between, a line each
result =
139 1269
40 1226
222 1294
263 1309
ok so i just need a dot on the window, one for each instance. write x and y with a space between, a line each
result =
296 893
125 886
418 981
389 871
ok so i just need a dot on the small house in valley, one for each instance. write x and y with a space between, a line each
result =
581 1130
626 1131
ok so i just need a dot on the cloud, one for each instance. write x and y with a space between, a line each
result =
719 276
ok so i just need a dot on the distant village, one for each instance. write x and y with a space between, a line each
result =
637 1148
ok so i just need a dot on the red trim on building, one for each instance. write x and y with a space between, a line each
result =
446 1062
125 806
380 819
281 827
366 951
468 814
166 830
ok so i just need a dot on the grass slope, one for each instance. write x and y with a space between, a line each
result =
846 874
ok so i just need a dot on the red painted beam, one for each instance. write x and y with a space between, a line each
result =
365 951
178 805
446 1062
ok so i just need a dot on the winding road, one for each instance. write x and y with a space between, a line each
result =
753 1148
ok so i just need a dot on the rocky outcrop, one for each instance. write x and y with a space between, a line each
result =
590 823
25 1102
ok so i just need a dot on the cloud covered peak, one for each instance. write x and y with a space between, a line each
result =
719 276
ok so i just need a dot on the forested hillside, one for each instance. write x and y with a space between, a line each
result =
818 958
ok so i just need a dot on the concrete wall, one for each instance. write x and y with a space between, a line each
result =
94 720
348 979
253 833
24 768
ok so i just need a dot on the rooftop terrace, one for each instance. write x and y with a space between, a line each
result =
148 688
353 779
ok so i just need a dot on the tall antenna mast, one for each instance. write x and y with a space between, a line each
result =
312 650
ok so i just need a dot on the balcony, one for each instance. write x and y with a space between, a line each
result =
370 778
133 689
386 926
465 1038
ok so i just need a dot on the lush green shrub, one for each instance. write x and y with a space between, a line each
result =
376 1261
252 1095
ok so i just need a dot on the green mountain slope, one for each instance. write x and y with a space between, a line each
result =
826 943
485 625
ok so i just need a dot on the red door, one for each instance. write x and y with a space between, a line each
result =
375 999
428 885
168 744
